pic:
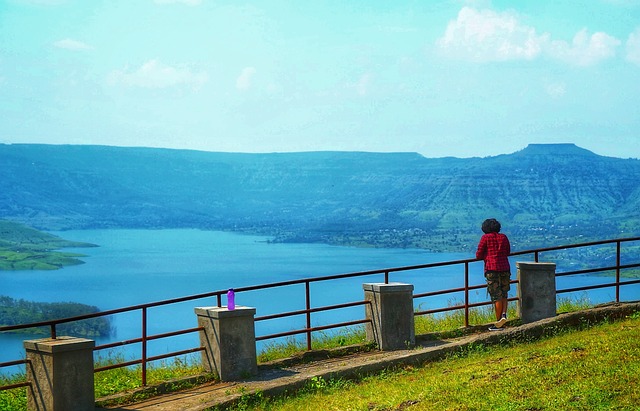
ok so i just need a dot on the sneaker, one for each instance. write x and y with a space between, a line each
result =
494 328
501 322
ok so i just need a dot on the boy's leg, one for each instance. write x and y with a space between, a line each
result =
505 286
500 307
496 289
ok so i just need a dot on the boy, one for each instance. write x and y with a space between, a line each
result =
494 248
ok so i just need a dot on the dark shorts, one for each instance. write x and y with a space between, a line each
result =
498 284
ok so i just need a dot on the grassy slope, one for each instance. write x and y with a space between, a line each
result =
593 369
23 248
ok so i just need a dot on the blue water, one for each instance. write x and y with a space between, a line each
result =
140 266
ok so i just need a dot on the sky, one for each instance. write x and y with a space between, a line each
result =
438 77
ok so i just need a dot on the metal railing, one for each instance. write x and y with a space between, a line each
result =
308 330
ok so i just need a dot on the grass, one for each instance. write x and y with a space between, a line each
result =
450 322
321 341
119 380
593 368
15 399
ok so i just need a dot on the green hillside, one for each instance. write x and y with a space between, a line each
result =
545 194
16 312
24 248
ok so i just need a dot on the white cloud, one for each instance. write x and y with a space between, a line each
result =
363 85
187 2
556 90
489 36
245 79
585 49
633 47
486 35
154 74
71 44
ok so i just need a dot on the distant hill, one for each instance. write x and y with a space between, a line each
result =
15 312
24 248
544 194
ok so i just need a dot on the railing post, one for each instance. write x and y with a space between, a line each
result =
61 374
536 291
229 339
308 316
390 311
144 346
466 294
618 259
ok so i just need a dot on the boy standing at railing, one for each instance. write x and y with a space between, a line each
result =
494 248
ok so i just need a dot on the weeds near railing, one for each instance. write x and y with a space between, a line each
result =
127 378
290 347
15 399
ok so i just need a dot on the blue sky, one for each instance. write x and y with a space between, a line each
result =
442 78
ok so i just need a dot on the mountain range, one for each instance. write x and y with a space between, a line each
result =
543 195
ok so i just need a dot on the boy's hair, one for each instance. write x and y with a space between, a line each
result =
491 225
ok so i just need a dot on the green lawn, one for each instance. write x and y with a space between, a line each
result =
593 368
597 368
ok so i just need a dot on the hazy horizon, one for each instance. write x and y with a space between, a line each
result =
444 78
318 151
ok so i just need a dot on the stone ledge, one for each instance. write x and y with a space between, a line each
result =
60 344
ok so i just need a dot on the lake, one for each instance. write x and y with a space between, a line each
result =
140 266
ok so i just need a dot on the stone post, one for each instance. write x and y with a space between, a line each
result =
61 373
390 310
230 341
536 291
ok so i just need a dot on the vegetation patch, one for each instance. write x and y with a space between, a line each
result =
296 348
124 385
17 312
24 248
591 368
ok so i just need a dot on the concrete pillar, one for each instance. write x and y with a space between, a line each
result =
391 314
230 341
61 373
536 291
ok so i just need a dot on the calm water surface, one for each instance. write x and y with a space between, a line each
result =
139 266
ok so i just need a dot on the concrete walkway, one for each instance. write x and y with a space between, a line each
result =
273 379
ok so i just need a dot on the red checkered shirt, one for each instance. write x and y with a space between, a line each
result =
494 249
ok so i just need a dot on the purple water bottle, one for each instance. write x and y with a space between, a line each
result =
231 300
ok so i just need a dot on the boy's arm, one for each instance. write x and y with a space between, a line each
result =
481 252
